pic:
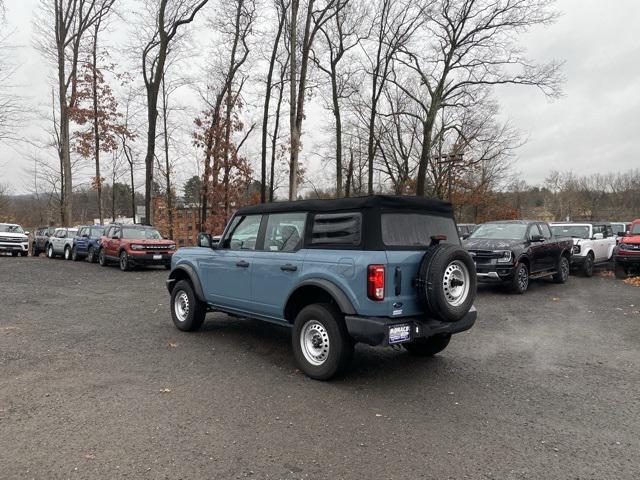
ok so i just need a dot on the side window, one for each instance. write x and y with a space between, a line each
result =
244 233
61 234
546 231
599 229
285 232
337 229
81 232
533 231
116 232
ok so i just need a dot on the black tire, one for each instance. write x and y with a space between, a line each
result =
102 259
587 266
50 252
14 254
24 254
427 347
67 253
35 252
620 271
520 280
322 323
192 318
562 270
124 262
91 256
442 269
167 267
74 254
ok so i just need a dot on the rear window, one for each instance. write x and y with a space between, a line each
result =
337 229
416 229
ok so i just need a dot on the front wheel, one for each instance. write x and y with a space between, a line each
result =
520 281
321 344
91 256
102 259
14 254
50 253
67 253
187 311
74 254
24 254
562 274
620 271
587 267
124 261
427 347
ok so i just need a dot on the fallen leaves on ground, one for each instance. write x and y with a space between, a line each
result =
632 281
173 344
89 456
165 390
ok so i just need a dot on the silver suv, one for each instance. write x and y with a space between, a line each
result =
61 243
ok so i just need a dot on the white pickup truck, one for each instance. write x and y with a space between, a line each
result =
593 243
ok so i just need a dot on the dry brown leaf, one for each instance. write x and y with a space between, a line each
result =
173 344
633 281
89 456
555 299
165 390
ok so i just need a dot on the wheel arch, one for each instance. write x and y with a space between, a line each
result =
525 259
186 272
316 290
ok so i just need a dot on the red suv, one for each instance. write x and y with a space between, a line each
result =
135 245
627 253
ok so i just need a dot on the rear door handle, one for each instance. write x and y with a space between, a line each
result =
242 264
288 268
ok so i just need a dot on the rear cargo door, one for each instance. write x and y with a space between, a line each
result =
406 236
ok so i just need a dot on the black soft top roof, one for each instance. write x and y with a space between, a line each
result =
391 202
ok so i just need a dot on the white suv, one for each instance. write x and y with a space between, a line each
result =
61 243
593 243
14 239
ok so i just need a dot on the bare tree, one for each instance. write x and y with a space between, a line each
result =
168 17
315 17
474 47
71 20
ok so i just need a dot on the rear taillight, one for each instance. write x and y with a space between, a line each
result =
375 282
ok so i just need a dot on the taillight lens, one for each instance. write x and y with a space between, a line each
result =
375 282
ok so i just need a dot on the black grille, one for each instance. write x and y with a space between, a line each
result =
484 254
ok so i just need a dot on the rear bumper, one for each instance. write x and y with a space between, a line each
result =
375 330
150 258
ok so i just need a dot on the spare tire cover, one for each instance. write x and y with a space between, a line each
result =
447 282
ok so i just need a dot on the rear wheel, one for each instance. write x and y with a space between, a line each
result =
102 259
50 253
520 280
321 344
562 270
620 271
187 311
67 253
587 267
74 254
427 347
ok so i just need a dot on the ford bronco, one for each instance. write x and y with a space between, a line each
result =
627 254
61 242
593 244
134 245
383 270
86 243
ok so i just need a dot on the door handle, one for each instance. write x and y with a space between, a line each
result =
288 268
242 264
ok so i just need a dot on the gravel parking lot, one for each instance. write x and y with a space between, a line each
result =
95 382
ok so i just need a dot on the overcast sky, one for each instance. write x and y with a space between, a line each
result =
593 128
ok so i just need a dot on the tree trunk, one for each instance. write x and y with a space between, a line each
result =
166 159
338 119
295 134
274 141
96 128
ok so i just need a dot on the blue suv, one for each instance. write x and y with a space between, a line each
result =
383 270
86 244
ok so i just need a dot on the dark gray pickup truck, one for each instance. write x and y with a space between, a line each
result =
516 251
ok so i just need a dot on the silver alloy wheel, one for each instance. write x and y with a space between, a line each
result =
523 278
314 342
181 306
123 261
66 253
455 283
50 251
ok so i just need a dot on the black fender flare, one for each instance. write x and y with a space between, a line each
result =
524 256
179 272
343 302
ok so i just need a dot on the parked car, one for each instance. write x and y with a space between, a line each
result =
465 229
593 244
620 229
86 244
382 270
135 245
627 254
61 243
13 239
517 251
41 240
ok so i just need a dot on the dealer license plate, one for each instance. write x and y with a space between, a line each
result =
157 257
399 333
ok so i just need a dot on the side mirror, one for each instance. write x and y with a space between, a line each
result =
27 233
204 240
537 238
598 236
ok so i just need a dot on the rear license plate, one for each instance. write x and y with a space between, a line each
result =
157 257
399 333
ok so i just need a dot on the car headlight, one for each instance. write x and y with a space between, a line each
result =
625 246
136 247
576 249
172 247
505 256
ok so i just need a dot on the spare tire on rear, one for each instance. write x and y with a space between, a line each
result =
447 282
